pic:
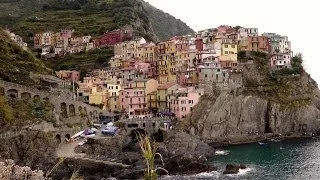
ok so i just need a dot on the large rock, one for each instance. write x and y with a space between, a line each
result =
241 118
184 153
231 169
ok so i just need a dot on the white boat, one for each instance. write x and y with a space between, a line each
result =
77 134
261 143
82 142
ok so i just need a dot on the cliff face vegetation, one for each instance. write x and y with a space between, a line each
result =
16 63
93 17
275 102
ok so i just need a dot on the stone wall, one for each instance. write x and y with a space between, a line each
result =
63 103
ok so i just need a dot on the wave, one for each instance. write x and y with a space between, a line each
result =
241 172
203 175
221 152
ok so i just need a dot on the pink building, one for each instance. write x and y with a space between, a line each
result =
183 101
68 75
143 67
134 102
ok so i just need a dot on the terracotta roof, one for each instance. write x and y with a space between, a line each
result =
167 85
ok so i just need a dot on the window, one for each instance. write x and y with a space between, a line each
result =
115 106
205 75
130 106
139 99
115 99
116 87
190 101
122 99
190 108
233 46
226 45
226 52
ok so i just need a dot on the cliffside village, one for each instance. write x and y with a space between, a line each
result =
144 78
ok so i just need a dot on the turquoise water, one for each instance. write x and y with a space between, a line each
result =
284 160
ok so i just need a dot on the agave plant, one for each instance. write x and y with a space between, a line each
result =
149 154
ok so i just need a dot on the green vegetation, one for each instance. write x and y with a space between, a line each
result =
149 153
16 63
6 112
26 17
82 61
285 86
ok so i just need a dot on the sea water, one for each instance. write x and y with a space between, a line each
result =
284 160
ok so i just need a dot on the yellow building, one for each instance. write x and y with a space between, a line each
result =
152 100
112 102
149 85
147 52
229 52
98 95
115 62
164 91
166 68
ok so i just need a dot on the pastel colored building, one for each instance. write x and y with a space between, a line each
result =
281 60
148 85
112 38
229 52
68 75
98 95
256 43
147 52
164 91
134 102
112 102
183 101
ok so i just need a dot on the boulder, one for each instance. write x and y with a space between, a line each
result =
231 169
242 166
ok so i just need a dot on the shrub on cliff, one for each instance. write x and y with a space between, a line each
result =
6 112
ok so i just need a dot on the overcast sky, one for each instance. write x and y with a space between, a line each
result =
296 19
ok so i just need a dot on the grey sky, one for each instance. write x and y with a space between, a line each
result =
294 18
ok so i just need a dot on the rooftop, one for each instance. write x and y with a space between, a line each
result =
167 85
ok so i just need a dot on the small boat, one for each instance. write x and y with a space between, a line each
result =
82 142
77 134
274 140
262 144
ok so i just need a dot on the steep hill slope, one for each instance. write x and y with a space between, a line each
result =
16 63
25 17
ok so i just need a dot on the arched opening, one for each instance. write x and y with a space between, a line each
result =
58 138
64 112
72 111
67 136
12 93
135 133
25 96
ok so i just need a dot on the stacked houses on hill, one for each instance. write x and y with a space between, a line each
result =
171 76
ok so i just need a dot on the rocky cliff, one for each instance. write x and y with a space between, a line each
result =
269 103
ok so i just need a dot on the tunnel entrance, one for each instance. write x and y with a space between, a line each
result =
58 138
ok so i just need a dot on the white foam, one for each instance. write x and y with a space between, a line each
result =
241 172
221 152
207 174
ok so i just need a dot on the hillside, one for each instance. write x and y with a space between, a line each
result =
25 17
16 63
